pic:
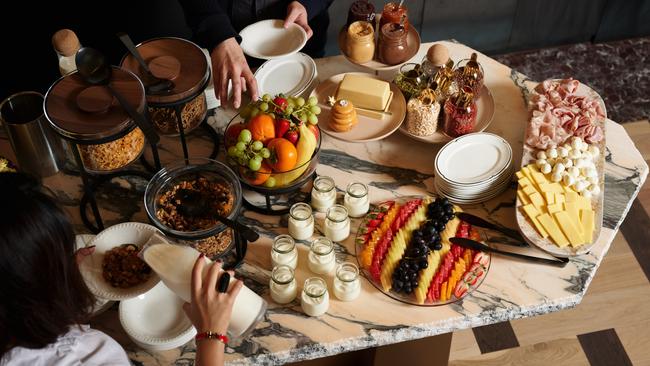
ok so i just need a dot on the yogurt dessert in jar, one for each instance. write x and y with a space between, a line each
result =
347 286
356 199
284 251
283 284
321 256
315 299
301 221
323 194
337 223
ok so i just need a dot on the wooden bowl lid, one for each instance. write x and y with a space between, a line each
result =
175 59
86 112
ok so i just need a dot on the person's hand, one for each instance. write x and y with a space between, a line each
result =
296 13
82 253
210 310
229 64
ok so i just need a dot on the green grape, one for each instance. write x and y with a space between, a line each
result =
254 112
303 116
264 106
300 101
232 151
289 110
312 101
257 145
245 136
291 103
315 109
254 165
257 158
266 153
270 182
267 97
242 161
312 119
240 146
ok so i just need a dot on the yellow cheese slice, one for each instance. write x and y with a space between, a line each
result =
573 210
556 188
520 174
553 230
583 203
569 227
571 197
556 207
532 214
537 200
567 189
549 197
587 223
560 198
539 178
524 182
529 190
523 198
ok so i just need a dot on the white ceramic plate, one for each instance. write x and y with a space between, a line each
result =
457 161
91 267
466 192
268 39
484 114
101 305
155 320
471 201
291 75
368 129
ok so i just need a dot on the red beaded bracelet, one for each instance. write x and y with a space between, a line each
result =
211 335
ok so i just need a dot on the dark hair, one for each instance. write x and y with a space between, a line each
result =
42 292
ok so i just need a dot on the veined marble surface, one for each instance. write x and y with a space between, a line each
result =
399 166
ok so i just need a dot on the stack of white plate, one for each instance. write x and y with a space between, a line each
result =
292 75
473 168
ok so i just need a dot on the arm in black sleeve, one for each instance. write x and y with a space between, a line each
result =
208 21
315 7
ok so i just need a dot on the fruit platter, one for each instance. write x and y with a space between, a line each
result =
561 182
403 249
273 143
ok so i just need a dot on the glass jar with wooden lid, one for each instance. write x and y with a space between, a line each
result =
360 42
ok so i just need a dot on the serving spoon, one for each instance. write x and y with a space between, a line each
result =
154 84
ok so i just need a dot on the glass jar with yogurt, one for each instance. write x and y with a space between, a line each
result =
301 221
283 284
315 299
347 286
284 251
337 223
323 195
321 256
356 199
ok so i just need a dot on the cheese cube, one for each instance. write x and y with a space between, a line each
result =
523 198
532 214
364 92
549 197
529 190
520 174
556 207
553 230
537 200
524 182
569 227
587 223
572 197
559 198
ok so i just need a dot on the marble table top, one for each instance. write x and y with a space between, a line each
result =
393 167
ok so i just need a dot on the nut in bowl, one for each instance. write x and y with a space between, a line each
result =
113 271
274 142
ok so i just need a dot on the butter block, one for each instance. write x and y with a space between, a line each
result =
587 223
532 214
569 227
549 197
523 198
553 230
364 92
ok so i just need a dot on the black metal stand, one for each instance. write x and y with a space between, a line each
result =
268 209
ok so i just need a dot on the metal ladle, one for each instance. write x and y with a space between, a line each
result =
193 203
154 84
94 69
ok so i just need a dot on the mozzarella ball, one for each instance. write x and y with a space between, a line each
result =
541 155
586 193
558 168
576 139
563 152
551 153
594 189
568 163
586 155
575 144
581 185
568 180
575 154
540 163
584 146
556 177
593 180
573 171
594 150
546 168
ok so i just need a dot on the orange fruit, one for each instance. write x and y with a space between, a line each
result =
262 128
283 155
256 178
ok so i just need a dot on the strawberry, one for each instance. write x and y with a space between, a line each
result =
281 103
281 126
292 136
374 222
461 289
481 258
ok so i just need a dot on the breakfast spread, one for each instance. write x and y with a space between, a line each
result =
276 142
344 116
404 248
122 268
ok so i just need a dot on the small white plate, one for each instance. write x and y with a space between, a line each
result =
484 114
268 39
458 163
91 267
291 75
155 320
101 305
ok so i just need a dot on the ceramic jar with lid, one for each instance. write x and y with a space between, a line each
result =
393 13
360 42
185 64
393 48
89 116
